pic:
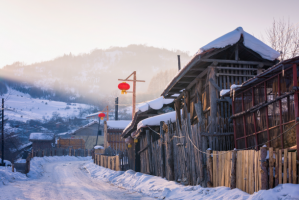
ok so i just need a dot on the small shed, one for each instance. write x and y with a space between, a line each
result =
91 133
42 140
112 134
149 109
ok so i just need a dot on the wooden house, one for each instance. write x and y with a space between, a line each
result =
42 140
91 133
202 117
112 134
149 109
73 143
231 59
265 108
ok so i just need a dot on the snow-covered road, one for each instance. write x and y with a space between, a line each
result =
65 180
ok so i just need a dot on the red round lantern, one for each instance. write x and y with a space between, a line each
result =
102 115
123 87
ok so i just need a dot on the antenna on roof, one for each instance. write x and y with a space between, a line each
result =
179 62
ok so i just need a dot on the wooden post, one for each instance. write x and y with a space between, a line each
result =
213 101
162 152
277 160
12 168
169 155
264 171
210 168
27 164
149 150
233 170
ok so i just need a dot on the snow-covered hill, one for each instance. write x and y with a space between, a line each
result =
22 107
90 77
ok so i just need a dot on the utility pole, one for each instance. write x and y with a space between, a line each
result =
116 109
2 118
134 90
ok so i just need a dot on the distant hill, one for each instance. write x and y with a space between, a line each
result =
93 77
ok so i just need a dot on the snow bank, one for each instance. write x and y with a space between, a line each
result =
7 162
36 168
158 187
155 121
250 42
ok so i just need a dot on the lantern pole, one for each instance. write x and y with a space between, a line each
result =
134 90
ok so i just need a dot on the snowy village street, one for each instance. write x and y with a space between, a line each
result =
65 180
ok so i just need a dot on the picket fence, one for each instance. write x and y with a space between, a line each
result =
251 170
119 162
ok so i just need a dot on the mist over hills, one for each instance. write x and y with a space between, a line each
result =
93 77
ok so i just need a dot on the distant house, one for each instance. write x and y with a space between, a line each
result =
112 134
42 140
89 134
73 143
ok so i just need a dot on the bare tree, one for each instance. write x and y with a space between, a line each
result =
283 36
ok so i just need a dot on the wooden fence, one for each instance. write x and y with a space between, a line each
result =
117 162
251 170
61 152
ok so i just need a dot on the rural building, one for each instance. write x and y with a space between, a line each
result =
42 140
202 116
89 133
112 134
266 106
149 109
73 143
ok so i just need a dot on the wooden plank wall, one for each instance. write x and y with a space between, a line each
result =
61 152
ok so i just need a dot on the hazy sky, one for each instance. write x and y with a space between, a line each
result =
39 30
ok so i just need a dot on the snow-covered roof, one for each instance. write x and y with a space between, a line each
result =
155 104
42 136
250 42
155 121
99 147
118 124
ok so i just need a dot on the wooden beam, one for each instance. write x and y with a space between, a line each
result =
237 62
178 87
183 82
238 68
224 74
190 76
202 74
219 89
197 69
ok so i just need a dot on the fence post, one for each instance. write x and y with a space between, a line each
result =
210 168
233 170
264 171
27 164
162 151
12 168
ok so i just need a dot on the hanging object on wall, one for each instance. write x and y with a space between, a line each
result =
123 87
129 145
135 140
101 116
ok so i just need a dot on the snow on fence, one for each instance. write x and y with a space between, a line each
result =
118 162
251 170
